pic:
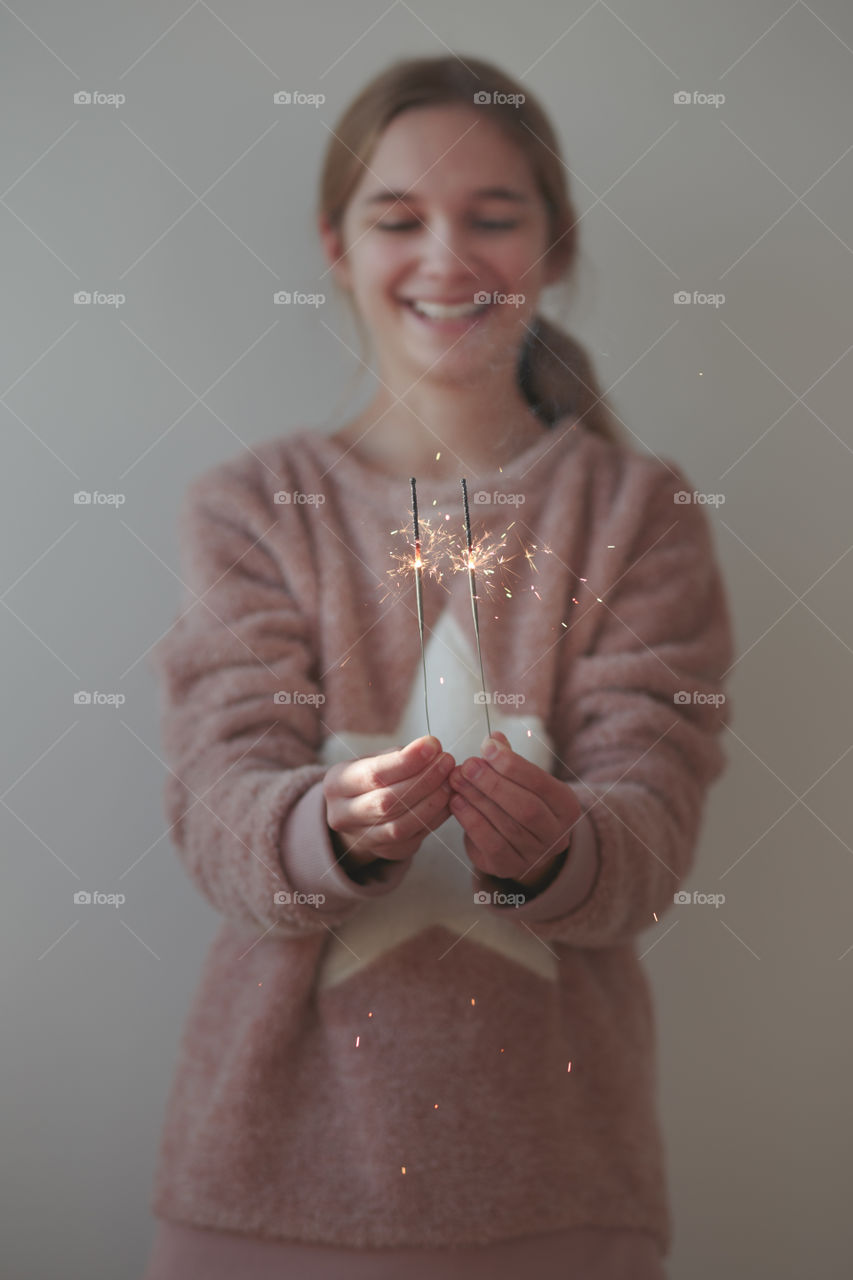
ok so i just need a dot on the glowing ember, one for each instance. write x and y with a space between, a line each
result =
441 554
431 557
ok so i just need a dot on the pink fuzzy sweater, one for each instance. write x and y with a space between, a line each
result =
414 1064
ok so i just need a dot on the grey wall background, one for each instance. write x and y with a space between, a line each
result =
194 199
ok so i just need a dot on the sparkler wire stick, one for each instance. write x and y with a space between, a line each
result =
418 596
472 585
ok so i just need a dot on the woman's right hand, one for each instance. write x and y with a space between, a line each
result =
383 806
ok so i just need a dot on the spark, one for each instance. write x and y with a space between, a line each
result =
493 557
419 591
435 554
357 1040
569 1067
473 591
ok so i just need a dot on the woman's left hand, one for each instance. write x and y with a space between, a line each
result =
517 818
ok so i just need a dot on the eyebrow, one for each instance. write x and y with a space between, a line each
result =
484 193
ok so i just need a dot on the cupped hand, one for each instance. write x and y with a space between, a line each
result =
383 806
516 817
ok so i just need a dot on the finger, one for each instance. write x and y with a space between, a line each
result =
386 803
491 828
526 808
514 769
418 821
372 772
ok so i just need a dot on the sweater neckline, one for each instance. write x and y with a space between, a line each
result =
348 464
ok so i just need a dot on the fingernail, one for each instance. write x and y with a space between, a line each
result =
491 749
428 750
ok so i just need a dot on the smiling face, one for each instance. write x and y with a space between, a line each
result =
465 218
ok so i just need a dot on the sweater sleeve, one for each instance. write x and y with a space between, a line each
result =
638 722
241 719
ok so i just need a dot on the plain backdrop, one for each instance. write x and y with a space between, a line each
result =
193 198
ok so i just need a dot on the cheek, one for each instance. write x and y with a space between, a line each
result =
378 261
375 284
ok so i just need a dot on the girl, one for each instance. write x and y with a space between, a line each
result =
423 1043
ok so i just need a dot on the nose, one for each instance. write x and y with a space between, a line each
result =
445 254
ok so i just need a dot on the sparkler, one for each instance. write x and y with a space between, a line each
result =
472 585
418 590
436 548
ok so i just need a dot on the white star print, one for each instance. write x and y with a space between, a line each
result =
437 888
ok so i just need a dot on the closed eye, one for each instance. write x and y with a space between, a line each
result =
407 226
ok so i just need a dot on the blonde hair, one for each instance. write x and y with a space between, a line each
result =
555 373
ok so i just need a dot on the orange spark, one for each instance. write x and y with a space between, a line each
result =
441 553
430 557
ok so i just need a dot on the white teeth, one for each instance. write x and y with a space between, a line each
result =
438 311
